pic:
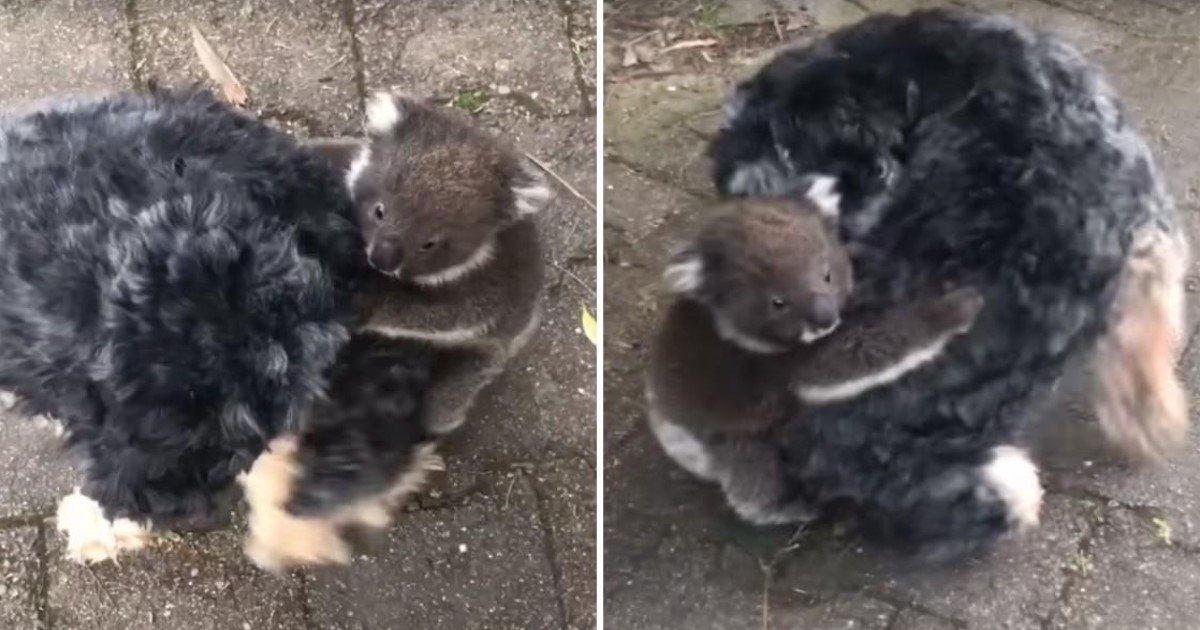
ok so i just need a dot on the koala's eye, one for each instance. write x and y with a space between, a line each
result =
828 276
779 304
430 245
378 211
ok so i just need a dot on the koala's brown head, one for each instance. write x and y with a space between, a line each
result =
432 191
771 271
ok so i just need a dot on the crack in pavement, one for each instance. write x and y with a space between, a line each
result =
657 176
133 28
549 545
347 16
564 8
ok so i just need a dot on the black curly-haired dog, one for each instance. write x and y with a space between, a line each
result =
176 283
973 150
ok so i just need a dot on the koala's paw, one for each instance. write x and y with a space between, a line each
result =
956 311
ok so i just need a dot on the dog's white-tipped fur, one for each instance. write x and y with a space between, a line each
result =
90 536
384 113
1015 478
684 275
823 193
278 539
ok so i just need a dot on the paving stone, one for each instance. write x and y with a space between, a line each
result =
195 582
659 126
294 57
481 564
1130 577
20 574
35 470
569 510
58 47
482 50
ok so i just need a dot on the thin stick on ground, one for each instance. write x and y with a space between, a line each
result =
574 277
542 165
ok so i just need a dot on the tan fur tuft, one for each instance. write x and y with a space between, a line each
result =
1139 401
278 540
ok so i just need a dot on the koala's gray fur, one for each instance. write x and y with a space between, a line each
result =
714 400
446 212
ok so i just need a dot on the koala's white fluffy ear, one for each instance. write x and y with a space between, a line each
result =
385 112
685 273
531 192
822 191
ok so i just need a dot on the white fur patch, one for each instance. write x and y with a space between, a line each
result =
532 197
679 443
727 331
481 257
383 113
454 337
8 400
809 336
93 538
850 389
522 338
684 275
823 193
357 167
1015 478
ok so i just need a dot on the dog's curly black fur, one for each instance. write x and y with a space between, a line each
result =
972 150
175 282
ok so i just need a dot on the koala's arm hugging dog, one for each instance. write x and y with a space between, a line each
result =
755 335
447 214
177 279
971 149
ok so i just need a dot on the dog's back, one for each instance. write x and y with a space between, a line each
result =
172 277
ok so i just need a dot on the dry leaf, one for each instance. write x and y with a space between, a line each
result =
629 58
220 73
589 326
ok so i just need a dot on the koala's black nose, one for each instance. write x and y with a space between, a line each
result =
385 255
824 312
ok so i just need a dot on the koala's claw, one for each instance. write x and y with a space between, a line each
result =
959 309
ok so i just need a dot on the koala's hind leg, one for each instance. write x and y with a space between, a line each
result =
459 374
752 477
1139 400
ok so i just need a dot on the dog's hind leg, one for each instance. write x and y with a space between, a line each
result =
949 510
1139 400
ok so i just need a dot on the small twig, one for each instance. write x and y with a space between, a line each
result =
691 43
334 64
574 277
509 493
100 585
542 165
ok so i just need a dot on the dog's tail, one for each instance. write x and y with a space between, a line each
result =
1140 402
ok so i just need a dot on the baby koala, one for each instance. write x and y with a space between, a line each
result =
757 334
446 212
